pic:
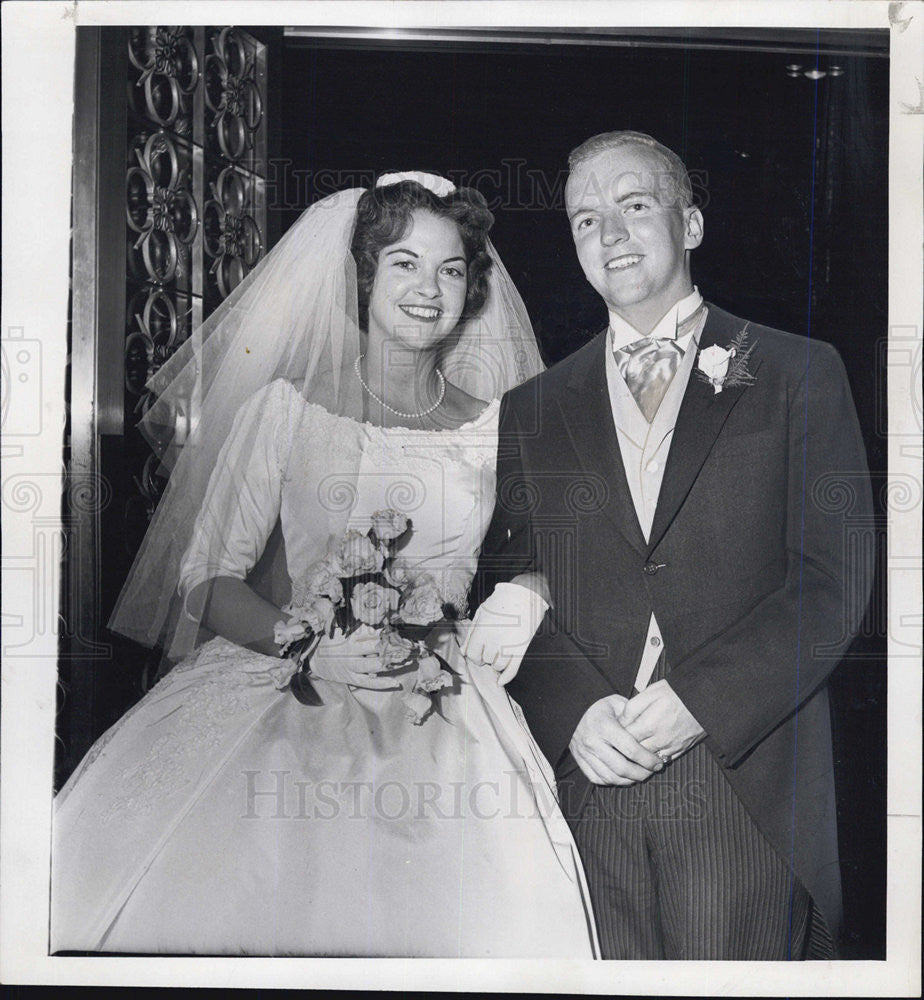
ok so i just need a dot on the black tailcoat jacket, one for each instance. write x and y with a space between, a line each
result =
747 569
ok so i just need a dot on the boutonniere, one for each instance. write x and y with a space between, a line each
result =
726 366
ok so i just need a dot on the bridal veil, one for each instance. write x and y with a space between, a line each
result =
294 317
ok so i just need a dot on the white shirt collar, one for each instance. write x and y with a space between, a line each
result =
624 333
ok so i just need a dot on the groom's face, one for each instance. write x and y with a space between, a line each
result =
632 233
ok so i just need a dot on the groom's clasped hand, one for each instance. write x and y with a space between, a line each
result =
621 741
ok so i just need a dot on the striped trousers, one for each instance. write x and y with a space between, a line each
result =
677 869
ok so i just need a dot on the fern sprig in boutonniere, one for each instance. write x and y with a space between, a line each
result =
727 366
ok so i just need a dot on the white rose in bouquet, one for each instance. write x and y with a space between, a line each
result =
372 603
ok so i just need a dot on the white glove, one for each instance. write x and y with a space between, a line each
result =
351 659
503 627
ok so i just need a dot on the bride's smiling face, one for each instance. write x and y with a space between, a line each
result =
420 284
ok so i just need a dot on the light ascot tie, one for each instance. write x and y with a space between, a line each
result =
649 364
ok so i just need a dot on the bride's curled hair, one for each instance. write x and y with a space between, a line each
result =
383 217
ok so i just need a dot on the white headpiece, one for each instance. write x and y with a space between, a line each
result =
440 186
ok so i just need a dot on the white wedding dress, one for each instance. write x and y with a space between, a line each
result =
222 816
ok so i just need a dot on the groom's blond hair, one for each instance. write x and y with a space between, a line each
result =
674 168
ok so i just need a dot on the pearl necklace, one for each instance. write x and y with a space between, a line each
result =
391 409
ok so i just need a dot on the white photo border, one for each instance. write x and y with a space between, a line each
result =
38 79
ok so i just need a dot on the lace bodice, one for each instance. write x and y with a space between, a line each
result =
320 474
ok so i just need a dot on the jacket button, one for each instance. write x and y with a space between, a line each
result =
651 568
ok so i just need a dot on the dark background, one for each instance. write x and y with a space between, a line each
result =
792 178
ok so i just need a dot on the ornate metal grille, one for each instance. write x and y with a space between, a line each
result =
195 206
171 150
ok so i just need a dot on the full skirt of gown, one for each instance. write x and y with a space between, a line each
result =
222 816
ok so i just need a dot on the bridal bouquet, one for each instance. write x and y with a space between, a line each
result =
361 581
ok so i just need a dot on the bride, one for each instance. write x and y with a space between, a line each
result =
224 815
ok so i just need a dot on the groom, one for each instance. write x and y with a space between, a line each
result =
669 481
